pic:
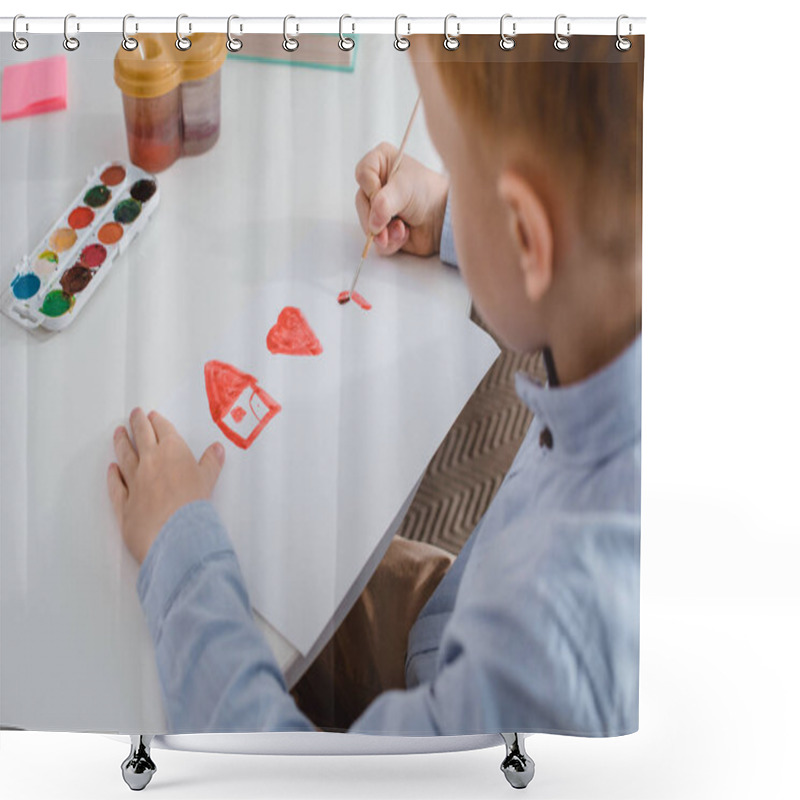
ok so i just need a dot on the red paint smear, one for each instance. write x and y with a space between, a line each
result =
224 385
343 297
80 217
93 255
292 335
357 298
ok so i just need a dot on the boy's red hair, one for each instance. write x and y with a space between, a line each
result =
578 113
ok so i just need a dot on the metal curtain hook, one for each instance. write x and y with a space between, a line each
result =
400 42
560 42
233 44
451 42
128 42
18 43
70 42
181 42
623 44
345 42
290 44
507 42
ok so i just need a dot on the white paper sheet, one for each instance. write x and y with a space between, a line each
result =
309 500
247 212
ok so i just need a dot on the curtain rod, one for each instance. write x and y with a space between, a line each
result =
630 26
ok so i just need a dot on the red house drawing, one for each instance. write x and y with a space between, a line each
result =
239 406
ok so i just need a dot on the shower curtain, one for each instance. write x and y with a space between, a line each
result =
414 521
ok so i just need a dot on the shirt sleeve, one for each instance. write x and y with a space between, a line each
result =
447 246
497 667
216 669
556 651
425 635
491 675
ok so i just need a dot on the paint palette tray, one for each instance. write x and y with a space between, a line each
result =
51 286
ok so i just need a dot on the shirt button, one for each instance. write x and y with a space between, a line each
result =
546 439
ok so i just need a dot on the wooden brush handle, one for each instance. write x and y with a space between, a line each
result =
367 245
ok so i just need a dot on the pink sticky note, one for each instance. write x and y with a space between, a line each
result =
34 87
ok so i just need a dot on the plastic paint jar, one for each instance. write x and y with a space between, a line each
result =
171 97
150 79
201 90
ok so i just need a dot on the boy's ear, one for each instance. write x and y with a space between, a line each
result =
531 232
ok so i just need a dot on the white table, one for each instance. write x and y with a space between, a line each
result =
76 653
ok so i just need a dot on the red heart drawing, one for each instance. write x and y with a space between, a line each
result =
292 335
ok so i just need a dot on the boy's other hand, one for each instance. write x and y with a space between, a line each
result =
156 474
406 213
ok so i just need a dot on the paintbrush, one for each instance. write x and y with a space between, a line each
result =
345 297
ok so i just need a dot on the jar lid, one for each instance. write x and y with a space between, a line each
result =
205 56
151 70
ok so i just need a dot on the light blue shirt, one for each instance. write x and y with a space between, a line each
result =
535 627
447 244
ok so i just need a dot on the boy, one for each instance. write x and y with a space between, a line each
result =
535 626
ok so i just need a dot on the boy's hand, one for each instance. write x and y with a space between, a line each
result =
156 475
408 212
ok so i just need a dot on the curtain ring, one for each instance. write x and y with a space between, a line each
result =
18 43
400 42
560 42
623 44
290 44
128 42
181 42
451 42
507 42
70 42
233 44
345 42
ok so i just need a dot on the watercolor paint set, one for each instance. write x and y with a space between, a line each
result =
52 284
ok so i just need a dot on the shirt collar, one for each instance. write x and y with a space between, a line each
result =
596 416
